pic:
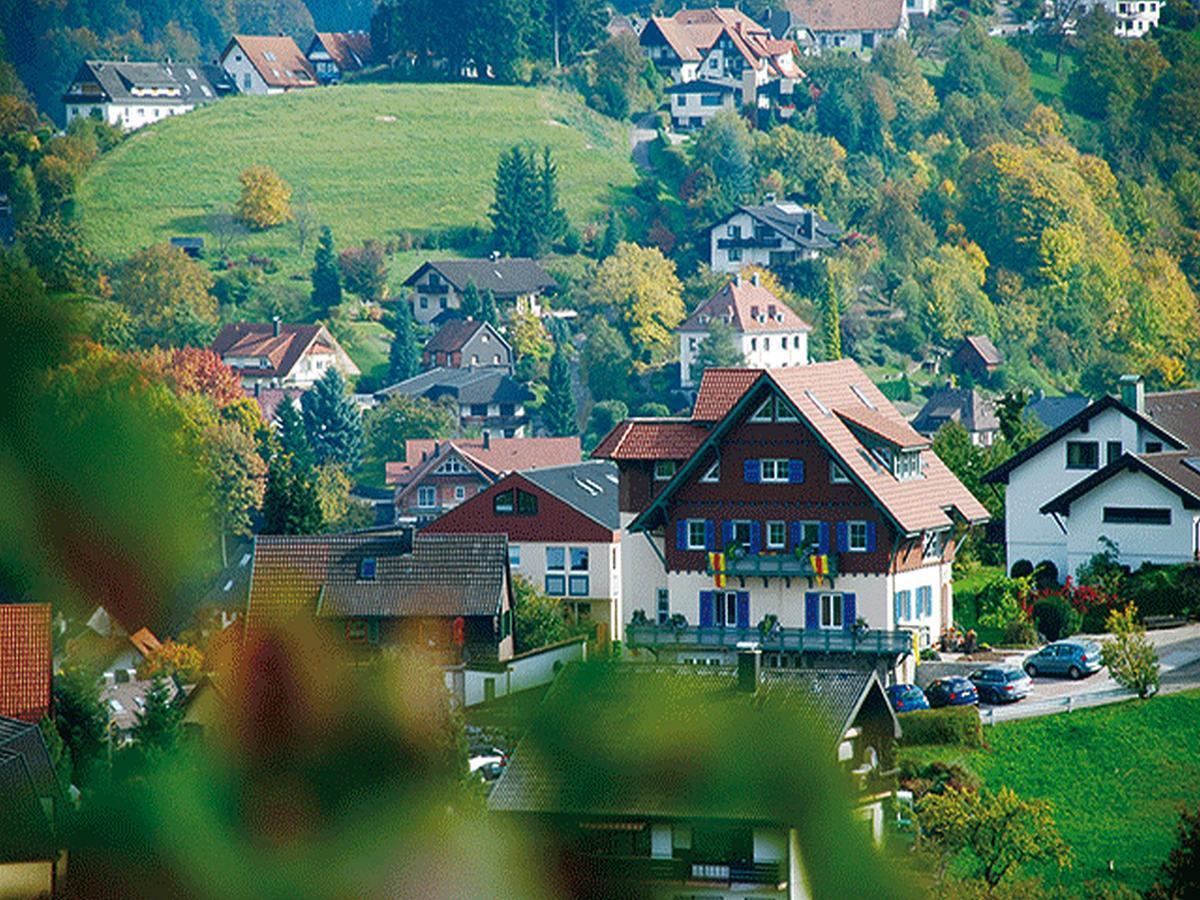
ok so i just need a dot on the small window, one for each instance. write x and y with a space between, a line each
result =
579 559
556 585
1112 452
356 631
556 559
831 610
735 254
810 535
1136 515
577 586
453 467
664 469
766 412
527 504
713 475
933 544
725 603
664 606
514 554
776 535
775 470
1083 455
837 475
366 568
479 409
857 536
695 534
741 533
426 497
502 503
460 493
1154 446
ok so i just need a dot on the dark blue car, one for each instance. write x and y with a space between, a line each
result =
906 698
954 690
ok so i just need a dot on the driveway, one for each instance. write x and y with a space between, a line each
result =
644 133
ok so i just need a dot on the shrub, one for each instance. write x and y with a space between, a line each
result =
1022 568
1020 633
1131 660
956 725
935 777
1165 590
1055 617
1045 575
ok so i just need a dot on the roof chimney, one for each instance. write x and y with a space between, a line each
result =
1133 392
275 325
755 279
810 224
749 668
487 439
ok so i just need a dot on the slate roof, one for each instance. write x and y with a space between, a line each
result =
25 660
491 385
27 835
25 739
119 79
847 15
964 405
1053 411
701 86
590 487
982 346
351 50
505 277
651 439
455 334
1178 472
442 575
1179 413
276 58
790 220
501 455
538 779
270 399
282 351
747 308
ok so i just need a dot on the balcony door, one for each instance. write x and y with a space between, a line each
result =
724 609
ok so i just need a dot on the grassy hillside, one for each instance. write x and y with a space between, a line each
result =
372 161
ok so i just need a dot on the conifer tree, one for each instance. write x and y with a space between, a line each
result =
551 222
614 233
333 422
560 400
293 440
160 722
404 360
489 313
291 504
831 320
472 304
511 209
326 279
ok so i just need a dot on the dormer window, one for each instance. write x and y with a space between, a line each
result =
366 568
907 465
664 469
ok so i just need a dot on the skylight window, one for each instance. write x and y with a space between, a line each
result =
366 568
858 392
817 402
269 56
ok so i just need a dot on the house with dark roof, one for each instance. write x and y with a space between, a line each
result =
25 660
278 355
769 234
333 55
488 399
467 344
564 534
857 25
796 503
977 357
1124 469
266 64
966 406
719 782
766 330
447 594
31 861
437 476
132 94
1052 411
438 285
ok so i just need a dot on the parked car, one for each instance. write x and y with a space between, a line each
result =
488 768
1071 658
1001 684
953 690
906 698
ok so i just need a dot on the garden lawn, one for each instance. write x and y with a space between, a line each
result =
371 161
1117 776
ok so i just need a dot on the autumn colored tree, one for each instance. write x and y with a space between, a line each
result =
1130 658
173 660
365 270
266 198
640 284
531 345
196 370
168 295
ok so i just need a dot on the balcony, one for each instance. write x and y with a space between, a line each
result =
777 640
777 565
642 869
744 243
429 288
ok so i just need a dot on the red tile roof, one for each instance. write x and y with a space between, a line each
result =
276 58
25 660
651 439
351 50
258 340
720 389
502 455
899 433
746 307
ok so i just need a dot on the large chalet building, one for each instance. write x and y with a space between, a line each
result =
280 355
795 508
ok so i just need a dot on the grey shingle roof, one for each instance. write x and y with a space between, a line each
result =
26 834
118 80
503 277
964 405
545 775
790 219
25 739
590 487
1053 411
486 385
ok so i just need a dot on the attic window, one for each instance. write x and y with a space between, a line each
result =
366 569
766 412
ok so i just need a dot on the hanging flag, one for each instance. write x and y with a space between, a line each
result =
716 564
820 565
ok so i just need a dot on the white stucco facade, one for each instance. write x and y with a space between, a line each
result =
692 107
592 592
127 116
1135 18
765 350
245 77
642 572
757 245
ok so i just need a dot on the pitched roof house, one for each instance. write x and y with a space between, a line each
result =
636 823
487 398
807 479
25 660
266 64
768 234
439 475
765 329
966 406
564 534
976 355
438 285
333 54
852 24
449 594
133 94
30 862
276 355
1127 470
467 343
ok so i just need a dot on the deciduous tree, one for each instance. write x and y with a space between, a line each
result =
168 295
291 504
365 270
173 660
539 619
640 284
266 198
1131 659
719 348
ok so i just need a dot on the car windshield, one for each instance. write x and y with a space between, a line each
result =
911 693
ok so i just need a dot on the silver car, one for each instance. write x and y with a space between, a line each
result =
1072 658
1001 684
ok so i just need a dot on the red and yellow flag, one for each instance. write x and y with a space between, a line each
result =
819 563
716 563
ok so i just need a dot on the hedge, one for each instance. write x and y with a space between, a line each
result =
956 725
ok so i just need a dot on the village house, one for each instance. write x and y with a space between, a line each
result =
25 661
1127 470
858 26
769 234
1049 411
487 398
447 595
124 699
976 357
764 329
1134 18
104 646
333 55
132 94
716 828
467 344
795 507
438 285
439 475
564 535
261 64
277 355
31 862
967 407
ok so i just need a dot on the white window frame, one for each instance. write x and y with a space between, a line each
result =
425 491
664 606
837 474
725 609
460 493
932 545
851 544
514 554
713 474
453 467
832 610
781 543
665 469
691 543
779 471
765 412
556 569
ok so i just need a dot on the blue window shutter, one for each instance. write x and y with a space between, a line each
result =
896 610
681 534
870 537
726 534
752 470
796 471
756 537
823 537
743 609
849 611
843 537
797 532
706 609
812 610
908 604
710 534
